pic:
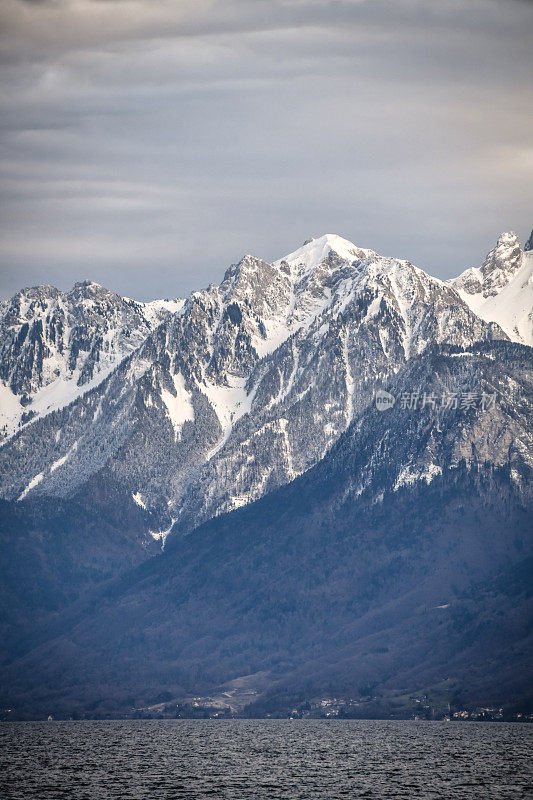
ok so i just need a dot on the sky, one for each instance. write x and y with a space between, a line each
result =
148 144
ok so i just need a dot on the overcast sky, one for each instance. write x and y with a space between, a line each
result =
148 144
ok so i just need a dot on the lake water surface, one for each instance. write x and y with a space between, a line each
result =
241 759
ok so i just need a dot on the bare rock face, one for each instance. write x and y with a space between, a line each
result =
238 392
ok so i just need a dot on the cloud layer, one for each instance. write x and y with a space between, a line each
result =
147 144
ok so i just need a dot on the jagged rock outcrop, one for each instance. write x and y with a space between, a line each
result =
501 290
498 268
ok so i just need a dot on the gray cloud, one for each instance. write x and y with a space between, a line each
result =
148 144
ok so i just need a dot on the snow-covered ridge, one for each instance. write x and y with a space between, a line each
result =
155 311
54 346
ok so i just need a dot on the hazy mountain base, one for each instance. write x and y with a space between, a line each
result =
335 585
55 552
427 593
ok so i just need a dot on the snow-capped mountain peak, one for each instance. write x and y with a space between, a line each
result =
501 289
503 261
315 251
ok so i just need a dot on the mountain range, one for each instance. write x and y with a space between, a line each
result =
329 448
243 387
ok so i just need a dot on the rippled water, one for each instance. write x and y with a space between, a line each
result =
240 759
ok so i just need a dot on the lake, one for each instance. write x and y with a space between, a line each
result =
241 759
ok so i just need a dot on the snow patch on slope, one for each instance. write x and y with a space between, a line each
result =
408 475
63 459
179 405
34 481
153 309
10 409
162 535
230 403
138 500
53 397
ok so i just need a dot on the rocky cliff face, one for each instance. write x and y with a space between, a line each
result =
250 384
498 268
